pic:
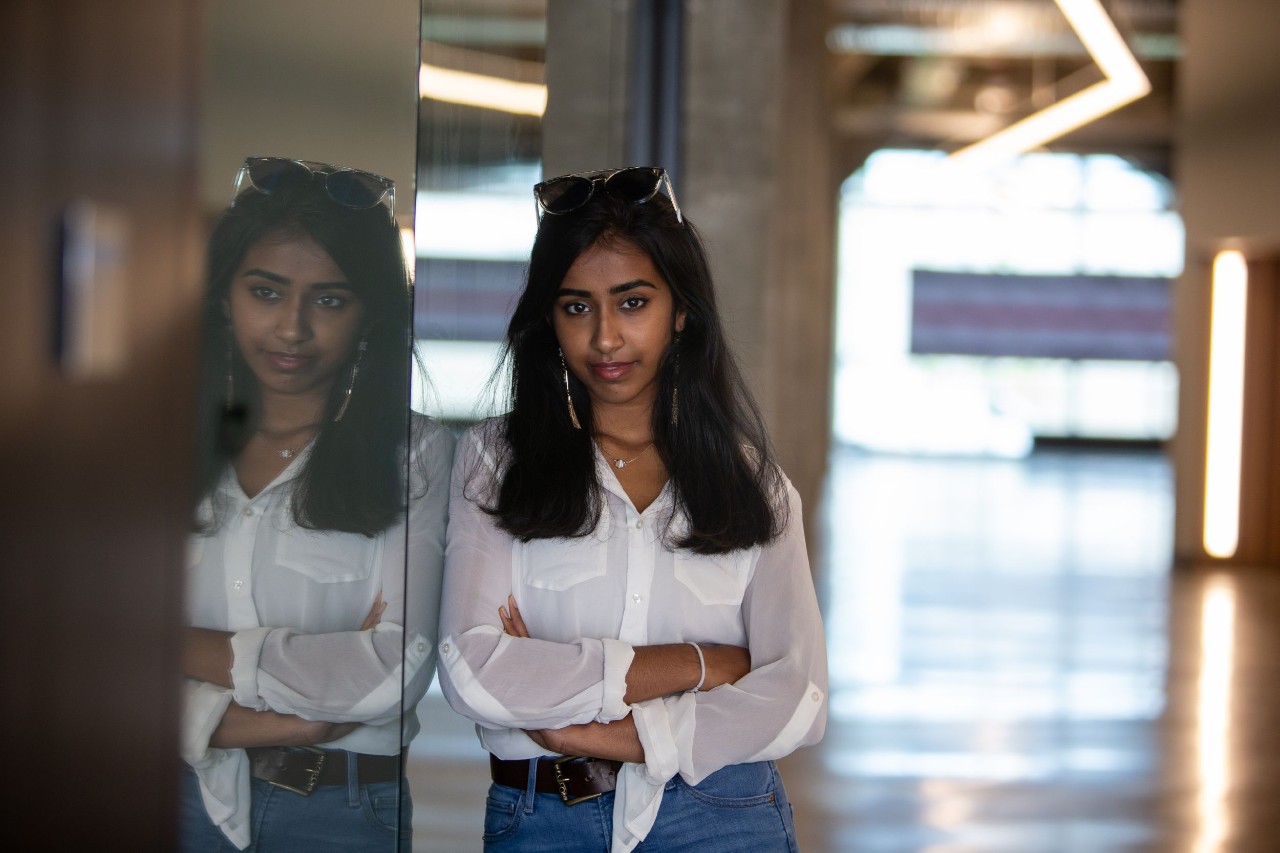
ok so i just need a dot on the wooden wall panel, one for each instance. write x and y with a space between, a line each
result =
99 104
1260 469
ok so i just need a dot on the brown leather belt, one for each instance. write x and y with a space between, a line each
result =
302 769
572 779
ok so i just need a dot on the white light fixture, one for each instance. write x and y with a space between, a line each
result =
409 252
1124 82
481 90
1226 404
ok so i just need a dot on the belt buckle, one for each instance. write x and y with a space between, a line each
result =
562 784
312 773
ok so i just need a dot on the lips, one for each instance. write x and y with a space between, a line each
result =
287 362
612 371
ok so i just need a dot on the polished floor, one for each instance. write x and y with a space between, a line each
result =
1015 668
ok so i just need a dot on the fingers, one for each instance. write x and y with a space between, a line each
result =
512 621
375 613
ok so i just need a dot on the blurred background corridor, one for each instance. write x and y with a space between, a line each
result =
1004 276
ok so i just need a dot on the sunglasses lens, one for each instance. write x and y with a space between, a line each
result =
269 173
636 184
562 195
359 190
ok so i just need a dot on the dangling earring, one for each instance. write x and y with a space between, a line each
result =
568 396
675 391
355 371
231 378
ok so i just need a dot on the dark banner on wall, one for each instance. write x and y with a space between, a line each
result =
1040 316
465 300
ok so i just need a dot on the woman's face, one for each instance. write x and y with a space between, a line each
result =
614 317
294 316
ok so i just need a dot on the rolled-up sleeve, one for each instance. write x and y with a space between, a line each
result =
780 706
494 679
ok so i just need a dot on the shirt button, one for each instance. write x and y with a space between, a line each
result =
422 647
815 696
639 524
445 648
238 585
636 598
248 510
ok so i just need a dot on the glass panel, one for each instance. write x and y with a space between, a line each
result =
310 588
480 153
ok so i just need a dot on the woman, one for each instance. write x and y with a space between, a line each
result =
312 597
625 576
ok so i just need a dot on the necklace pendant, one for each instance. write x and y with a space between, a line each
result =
286 453
619 464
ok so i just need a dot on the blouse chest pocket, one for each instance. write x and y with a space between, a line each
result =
327 556
716 578
558 564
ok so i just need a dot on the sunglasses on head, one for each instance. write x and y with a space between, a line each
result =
348 187
636 184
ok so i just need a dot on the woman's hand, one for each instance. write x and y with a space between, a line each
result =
512 621
513 625
375 613
552 740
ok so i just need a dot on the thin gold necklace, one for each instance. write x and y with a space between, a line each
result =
623 463
286 452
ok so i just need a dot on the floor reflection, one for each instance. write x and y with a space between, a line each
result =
1013 668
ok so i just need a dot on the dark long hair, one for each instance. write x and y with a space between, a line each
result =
716 450
354 478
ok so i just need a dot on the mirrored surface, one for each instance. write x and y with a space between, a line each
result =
484 94
480 152
314 563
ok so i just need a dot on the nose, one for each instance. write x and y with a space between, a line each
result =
293 325
608 334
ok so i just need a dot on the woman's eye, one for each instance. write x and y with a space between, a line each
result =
263 292
331 300
634 302
575 307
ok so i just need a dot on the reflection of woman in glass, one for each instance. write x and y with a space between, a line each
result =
661 619
312 601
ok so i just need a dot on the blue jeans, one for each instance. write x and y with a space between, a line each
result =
334 817
741 807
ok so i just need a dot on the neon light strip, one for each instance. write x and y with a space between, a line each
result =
1125 82
479 90
1226 405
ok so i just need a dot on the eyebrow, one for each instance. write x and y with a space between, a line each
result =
613 291
268 275
280 279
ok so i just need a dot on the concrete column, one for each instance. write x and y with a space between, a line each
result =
758 181
585 126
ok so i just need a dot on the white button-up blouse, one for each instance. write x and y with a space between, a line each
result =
587 602
295 599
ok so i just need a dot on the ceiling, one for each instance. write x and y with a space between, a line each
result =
944 73
903 73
